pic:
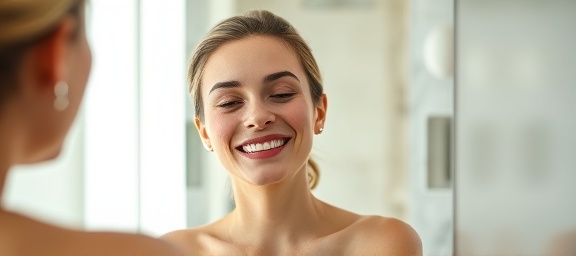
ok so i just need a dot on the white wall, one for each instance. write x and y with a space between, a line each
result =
430 96
135 120
112 176
162 96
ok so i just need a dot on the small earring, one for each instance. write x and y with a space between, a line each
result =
320 130
61 93
208 148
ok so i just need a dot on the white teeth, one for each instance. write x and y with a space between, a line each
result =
252 148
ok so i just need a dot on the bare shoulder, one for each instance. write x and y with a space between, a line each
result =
112 243
386 236
187 239
21 235
201 241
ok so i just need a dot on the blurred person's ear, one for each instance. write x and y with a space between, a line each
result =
48 58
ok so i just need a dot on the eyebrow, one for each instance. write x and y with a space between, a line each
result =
227 84
267 79
278 75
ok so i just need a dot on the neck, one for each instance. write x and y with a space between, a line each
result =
3 174
285 211
4 166
11 144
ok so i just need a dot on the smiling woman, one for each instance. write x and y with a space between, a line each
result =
259 102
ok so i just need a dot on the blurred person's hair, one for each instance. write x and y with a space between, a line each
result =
22 24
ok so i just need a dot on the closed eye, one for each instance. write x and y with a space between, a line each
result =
229 104
283 95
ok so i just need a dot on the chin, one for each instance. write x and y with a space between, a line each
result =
267 178
54 154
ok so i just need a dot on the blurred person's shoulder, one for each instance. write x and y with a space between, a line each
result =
21 235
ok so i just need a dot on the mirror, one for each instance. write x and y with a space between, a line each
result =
132 161
135 153
388 76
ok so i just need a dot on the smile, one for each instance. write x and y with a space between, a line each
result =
263 146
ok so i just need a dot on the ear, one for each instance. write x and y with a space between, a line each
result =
203 134
321 108
49 56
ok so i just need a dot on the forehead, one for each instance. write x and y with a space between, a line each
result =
251 58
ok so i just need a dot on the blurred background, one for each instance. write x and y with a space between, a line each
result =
515 178
474 139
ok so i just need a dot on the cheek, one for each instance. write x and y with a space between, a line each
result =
88 59
81 72
300 121
300 116
220 129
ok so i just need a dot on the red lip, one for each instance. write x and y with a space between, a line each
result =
265 153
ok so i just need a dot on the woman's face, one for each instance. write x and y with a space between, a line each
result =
259 117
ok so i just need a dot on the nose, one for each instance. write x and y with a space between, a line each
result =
258 116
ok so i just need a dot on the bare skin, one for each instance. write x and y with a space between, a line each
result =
21 235
338 233
276 213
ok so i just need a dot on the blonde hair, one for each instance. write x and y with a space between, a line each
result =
257 22
22 23
24 19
